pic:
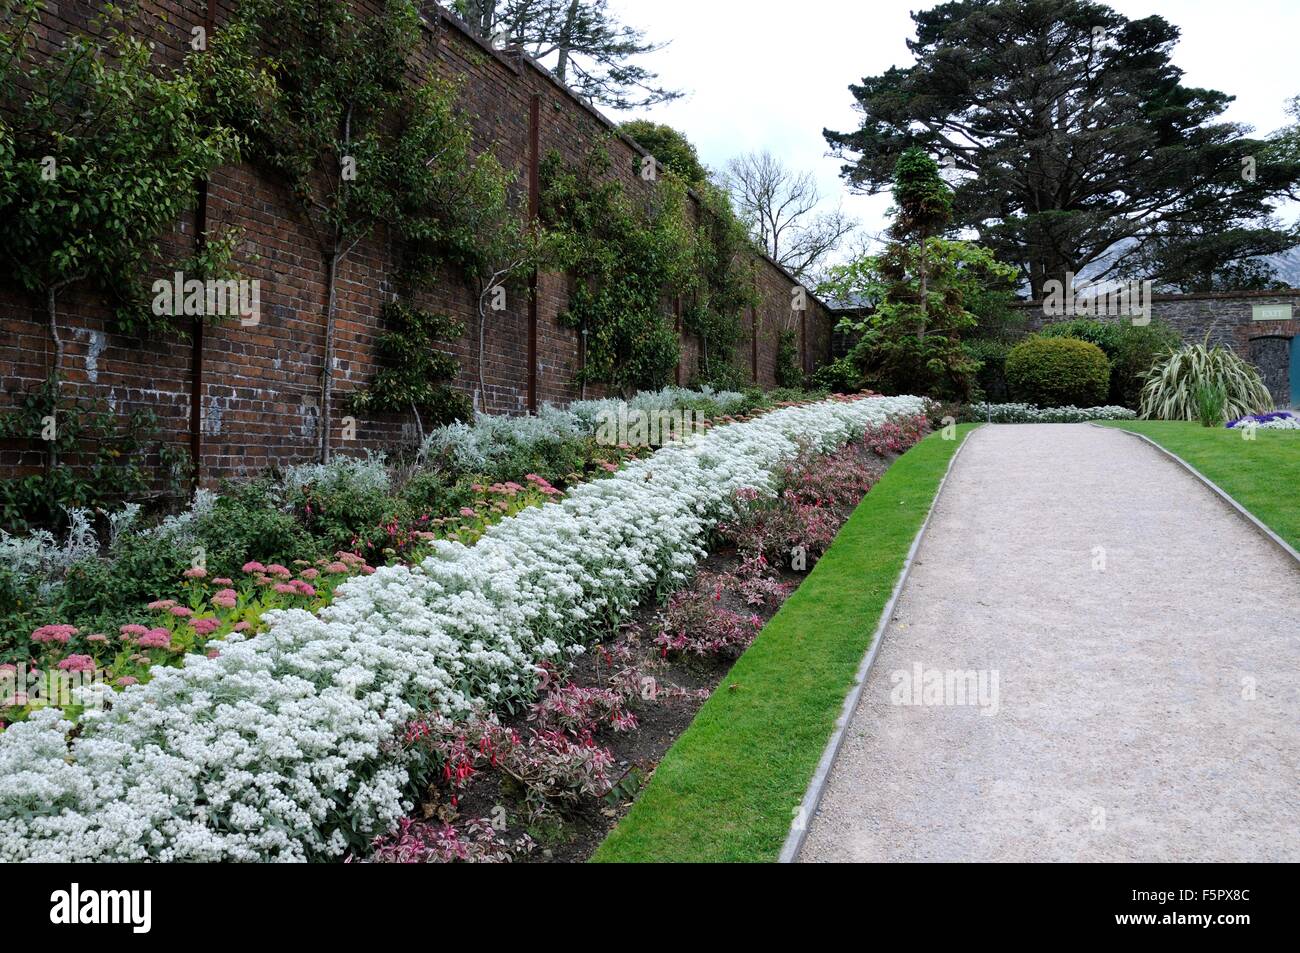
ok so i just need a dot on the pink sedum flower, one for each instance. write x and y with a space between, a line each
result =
54 633
195 572
156 639
77 663
161 605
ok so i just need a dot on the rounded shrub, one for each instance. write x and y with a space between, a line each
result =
1132 350
1056 372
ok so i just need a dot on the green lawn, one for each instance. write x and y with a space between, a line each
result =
1261 474
728 789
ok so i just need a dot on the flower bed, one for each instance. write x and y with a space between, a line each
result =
550 784
1276 420
284 746
1030 414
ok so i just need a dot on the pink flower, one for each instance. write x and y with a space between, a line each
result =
55 633
205 626
223 581
349 558
128 680
466 511
367 570
133 630
310 574
213 653
254 567
156 639
160 605
284 589
97 638
305 588
196 572
334 568
225 599
181 612
78 663
242 626
275 569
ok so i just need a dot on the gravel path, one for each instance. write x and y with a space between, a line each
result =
1124 726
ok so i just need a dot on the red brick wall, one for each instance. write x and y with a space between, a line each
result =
259 385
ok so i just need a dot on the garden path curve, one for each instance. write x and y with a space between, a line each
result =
1146 711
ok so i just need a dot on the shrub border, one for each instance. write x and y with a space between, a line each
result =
1213 487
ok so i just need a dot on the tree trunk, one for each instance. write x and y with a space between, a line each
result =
479 14
327 377
566 41
925 290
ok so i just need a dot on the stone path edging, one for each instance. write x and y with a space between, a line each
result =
817 786
1218 491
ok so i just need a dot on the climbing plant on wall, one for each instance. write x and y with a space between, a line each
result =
626 255
415 373
331 104
630 256
724 287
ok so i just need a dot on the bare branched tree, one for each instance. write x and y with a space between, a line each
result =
780 208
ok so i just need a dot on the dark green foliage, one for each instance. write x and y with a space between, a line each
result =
624 259
1069 129
1058 372
991 378
1131 350
99 153
108 459
922 200
788 372
672 149
840 376
414 373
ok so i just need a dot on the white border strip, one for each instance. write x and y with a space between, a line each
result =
817 786
1214 488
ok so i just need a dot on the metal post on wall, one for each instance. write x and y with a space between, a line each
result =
196 329
681 351
534 209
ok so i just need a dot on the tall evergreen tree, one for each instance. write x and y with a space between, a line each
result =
1077 139
581 41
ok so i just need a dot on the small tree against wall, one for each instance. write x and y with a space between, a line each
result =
416 373
99 151
329 104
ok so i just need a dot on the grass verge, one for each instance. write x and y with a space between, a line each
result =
728 789
1260 474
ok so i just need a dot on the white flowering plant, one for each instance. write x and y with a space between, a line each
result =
286 746
1031 414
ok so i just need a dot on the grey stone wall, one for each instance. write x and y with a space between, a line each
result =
1229 319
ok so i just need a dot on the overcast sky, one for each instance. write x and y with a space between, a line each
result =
766 74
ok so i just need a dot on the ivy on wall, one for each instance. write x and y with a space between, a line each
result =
627 257
623 256
725 263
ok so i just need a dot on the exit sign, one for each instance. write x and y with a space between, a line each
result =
1272 312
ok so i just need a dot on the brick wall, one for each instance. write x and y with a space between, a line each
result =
255 395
